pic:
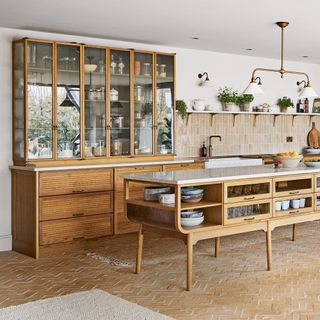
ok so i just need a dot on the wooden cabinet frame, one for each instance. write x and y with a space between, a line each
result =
297 190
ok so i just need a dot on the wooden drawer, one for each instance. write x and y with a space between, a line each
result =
75 181
244 212
75 205
292 185
183 166
317 183
63 230
118 172
247 190
309 206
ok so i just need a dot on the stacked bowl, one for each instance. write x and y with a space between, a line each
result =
191 195
191 218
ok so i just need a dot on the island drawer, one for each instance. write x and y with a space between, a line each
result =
75 205
317 183
64 230
287 206
75 181
292 185
247 190
183 166
245 212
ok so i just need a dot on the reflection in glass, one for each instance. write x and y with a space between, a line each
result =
68 101
39 100
165 103
249 210
120 102
95 103
143 104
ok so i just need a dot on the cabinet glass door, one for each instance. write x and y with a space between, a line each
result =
119 102
143 103
39 104
165 103
95 102
68 101
18 102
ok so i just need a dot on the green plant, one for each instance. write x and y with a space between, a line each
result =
181 107
285 103
244 99
227 95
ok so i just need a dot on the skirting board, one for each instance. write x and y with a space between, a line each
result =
6 243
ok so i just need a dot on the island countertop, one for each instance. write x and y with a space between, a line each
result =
218 174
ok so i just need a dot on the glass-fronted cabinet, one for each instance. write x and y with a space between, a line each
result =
120 93
143 103
95 102
74 101
165 103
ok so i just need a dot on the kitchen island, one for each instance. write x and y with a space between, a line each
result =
235 200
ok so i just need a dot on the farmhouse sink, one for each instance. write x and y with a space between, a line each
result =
232 162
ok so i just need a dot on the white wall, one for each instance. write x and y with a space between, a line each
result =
223 69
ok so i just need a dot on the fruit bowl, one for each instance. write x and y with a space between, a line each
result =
90 67
289 161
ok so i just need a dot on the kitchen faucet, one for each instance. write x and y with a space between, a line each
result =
210 144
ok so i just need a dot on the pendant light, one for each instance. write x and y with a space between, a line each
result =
253 88
307 91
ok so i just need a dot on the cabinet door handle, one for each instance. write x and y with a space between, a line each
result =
294 192
248 219
78 191
80 214
249 198
293 212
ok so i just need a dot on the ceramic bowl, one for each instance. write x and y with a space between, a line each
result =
191 222
167 198
152 193
191 191
312 163
191 214
289 162
90 67
191 198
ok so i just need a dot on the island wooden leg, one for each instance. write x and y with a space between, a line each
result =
189 262
139 250
294 232
217 247
269 249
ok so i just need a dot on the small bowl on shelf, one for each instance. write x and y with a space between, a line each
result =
90 68
191 191
152 193
192 198
191 214
312 163
167 198
191 222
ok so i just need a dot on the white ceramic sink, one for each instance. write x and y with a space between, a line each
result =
232 162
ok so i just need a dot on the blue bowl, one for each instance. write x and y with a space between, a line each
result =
192 214
191 191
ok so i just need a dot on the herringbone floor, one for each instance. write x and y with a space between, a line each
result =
234 286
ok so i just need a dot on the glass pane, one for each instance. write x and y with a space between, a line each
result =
39 100
318 182
165 103
143 103
292 185
19 100
248 189
249 210
68 101
120 102
95 103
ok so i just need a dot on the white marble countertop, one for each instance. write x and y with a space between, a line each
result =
185 177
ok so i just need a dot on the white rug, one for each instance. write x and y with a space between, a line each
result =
87 305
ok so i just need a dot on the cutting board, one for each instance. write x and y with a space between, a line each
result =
313 137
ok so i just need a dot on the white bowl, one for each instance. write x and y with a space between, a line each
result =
167 198
289 162
312 150
312 164
191 222
90 67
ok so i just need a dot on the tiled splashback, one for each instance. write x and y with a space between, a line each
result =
243 137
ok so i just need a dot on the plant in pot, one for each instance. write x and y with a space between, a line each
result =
244 101
285 103
181 108
228 97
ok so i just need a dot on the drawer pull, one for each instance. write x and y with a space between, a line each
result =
249 198
293 212
78 238
294 192
78 191
248 219
80 214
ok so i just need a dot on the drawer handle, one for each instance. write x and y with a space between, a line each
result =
294 192
249 198
80 214
293 212
78 191
78 238
248 219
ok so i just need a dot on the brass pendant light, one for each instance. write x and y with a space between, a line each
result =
254 87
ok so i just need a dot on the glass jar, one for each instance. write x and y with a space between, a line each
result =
90 94
162 71
114 95
98 94
101 66
147 69
138 93
137 67
121 66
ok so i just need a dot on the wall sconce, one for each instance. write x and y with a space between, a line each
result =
204 80
307 91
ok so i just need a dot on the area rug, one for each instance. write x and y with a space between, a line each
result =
87 305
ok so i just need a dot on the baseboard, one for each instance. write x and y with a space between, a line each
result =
6 243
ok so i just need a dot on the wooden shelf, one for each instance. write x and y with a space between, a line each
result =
152 204
198 205
202 226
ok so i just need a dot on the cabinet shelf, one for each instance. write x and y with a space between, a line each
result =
152 205
199 205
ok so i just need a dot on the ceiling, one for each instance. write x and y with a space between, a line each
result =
224 26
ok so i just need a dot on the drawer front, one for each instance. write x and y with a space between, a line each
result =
183 166
285 207
75 205
317 201
128 170
75 181
317 183
250 190
64 230
245 212
292 185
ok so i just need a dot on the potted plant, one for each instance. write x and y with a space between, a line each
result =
181 108
228 97
244 101
285 103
